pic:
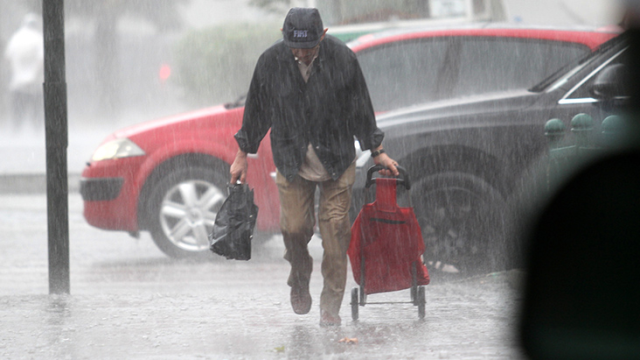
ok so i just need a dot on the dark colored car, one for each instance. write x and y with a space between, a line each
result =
169 176
469 157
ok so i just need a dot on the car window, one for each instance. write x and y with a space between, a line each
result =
583 90
413 72
490 64
403 73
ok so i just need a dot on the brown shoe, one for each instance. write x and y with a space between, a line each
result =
300 299
327 319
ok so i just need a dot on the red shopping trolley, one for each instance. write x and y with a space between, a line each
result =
386 245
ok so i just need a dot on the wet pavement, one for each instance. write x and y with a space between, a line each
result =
130 301
246 321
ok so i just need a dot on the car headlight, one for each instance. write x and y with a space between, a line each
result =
116 149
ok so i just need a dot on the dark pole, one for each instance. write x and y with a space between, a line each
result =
55 113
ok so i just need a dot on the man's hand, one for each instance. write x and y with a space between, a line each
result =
384 160
239 167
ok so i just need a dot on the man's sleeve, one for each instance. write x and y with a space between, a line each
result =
255 122
363 117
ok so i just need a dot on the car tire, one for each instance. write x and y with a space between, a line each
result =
462 221
182 208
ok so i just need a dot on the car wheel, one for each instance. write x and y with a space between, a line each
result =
461 217
182 209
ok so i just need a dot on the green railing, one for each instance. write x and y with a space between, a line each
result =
586 143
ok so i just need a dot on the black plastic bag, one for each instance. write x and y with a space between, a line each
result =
233 228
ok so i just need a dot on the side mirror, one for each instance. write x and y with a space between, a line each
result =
611 83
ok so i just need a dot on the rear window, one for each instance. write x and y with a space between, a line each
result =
404 73
413 72
489 65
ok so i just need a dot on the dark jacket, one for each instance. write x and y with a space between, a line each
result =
328 111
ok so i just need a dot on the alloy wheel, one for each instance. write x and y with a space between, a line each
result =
188 212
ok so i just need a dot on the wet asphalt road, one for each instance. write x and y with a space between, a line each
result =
130 301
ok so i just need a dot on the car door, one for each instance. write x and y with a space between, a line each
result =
505 66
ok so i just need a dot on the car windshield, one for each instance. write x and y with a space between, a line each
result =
570 69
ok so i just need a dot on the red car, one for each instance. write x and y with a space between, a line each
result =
169 176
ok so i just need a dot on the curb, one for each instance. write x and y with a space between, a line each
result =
32 183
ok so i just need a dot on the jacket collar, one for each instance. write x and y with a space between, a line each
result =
287 56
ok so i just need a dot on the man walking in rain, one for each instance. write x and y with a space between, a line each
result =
25 56
309 90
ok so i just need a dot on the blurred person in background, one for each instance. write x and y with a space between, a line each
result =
25 57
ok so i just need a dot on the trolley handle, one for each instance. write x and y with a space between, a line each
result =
403 174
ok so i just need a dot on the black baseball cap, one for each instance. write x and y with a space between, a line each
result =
302 28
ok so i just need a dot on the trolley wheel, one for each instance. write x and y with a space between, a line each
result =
421 302
354 304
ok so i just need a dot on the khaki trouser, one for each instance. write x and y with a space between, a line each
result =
297 221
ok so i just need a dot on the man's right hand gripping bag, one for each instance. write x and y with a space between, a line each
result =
233 228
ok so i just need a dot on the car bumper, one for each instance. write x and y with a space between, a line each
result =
110 191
